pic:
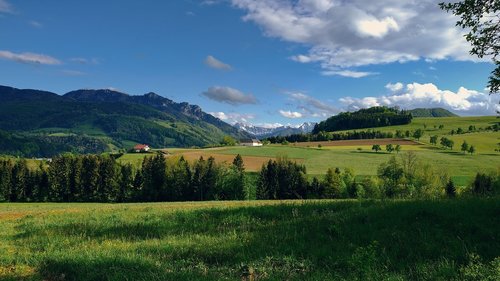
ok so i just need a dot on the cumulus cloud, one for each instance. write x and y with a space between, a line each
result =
217 64
345 35
233 117
312 106
376 28
290 114
29 58
5 7
394 87
415 95
229 95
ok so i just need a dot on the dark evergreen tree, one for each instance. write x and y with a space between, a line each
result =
89 178
450 189
59 171
5 180
125 183
198 177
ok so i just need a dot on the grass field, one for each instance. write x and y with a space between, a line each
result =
280 240
449 123
357 154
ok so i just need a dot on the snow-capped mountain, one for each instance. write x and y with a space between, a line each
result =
277 130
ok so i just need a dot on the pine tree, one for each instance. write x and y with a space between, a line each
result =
238 163
210 180
59 179
198 176
137 186
125 183
262 190
89 178
19 181
5 180
450 189
154 178
239 181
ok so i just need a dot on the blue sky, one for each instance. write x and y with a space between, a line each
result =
257 61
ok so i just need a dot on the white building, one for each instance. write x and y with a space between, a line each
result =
252 142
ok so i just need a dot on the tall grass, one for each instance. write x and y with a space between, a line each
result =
308 240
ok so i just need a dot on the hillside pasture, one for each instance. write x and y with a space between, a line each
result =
431 124
351 143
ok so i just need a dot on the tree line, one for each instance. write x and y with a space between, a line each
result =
379 116
330 136
403 176
100 178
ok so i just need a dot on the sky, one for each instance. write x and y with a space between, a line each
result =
263 62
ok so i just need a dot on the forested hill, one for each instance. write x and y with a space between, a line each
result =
379 116
431 112
44 123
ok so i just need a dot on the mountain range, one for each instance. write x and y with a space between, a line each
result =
41 123
264 132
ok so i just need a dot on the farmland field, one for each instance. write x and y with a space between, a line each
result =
461 167
357 154
263 240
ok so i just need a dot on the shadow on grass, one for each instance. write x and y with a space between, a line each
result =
345 238
115 268
489 154
454 153
371 152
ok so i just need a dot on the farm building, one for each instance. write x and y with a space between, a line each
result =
141 148
251 142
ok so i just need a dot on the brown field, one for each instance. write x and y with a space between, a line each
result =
252 163
357 142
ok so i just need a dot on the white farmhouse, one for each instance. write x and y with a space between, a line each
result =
251 142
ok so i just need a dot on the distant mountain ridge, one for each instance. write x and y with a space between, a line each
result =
107 119
431 112
263 132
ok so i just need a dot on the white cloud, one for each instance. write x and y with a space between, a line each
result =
217 64
210 2
290 114
30 58
312 106
377 28
35 24
233 117
229 95
394 87
85 60
415 95
348 73
343 35
5 7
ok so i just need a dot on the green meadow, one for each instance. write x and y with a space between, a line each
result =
256 240
461 167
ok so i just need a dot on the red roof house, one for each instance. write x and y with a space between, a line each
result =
141 148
